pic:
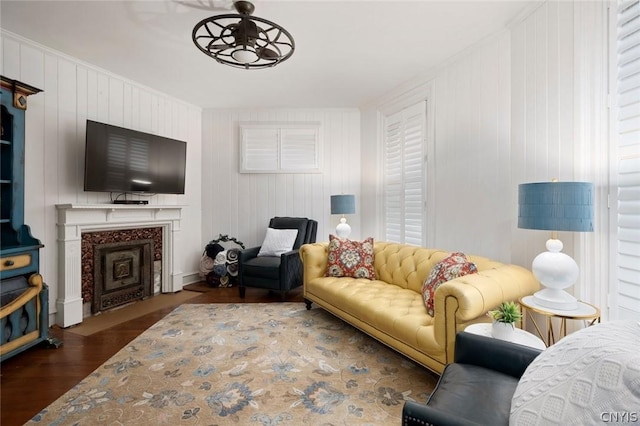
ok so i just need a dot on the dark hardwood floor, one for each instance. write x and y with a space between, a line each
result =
33 379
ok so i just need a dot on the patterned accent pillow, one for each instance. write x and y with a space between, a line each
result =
453 266
348 258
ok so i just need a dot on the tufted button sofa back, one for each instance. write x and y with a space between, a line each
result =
409 266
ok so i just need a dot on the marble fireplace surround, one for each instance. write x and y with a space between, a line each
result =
74 219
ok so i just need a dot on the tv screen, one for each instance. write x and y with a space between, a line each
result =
124 160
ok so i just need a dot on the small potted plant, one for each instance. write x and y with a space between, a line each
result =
504 318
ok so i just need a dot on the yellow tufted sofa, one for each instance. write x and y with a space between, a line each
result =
391 308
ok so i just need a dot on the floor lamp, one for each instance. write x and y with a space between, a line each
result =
555 206
343 204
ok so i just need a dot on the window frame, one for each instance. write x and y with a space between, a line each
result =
279 135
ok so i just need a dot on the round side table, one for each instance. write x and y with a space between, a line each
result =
585 311
521 337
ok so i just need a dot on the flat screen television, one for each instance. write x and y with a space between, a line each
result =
123 160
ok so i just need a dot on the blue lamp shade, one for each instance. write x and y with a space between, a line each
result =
556 206
343 204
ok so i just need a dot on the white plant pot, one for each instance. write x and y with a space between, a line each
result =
503 330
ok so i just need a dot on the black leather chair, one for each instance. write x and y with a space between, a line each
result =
477 388
278 274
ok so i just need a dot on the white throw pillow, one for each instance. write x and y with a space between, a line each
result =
588 377
278 241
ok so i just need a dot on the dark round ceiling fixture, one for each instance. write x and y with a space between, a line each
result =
243 41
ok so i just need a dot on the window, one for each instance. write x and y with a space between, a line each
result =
280 148
404 175
625 191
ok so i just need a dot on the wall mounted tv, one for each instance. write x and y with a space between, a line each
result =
127 161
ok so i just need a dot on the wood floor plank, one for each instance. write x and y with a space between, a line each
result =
33 379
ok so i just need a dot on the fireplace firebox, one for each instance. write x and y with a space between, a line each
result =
122 273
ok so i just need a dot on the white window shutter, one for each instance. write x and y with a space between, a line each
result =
626 210
259 149
299 149
280 147
393 228
414 123
404 175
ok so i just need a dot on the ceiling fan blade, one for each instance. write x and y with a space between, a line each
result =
265 53
218 46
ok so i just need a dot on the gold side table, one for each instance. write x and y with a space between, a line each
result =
585 312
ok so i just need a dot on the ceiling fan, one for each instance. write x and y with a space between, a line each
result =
242 40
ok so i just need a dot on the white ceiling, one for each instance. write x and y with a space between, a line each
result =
347 52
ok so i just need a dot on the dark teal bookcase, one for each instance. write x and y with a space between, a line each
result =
24 310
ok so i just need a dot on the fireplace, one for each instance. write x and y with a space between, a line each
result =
122 273
77 220
119 267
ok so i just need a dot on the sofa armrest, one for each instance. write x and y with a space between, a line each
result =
478 293
465 299
494 354
314 260
415 414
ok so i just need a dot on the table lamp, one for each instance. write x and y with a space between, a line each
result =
343 204
555 206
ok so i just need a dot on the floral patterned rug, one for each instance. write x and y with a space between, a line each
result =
246 364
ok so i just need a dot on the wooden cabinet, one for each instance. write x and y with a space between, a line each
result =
24 306
15 235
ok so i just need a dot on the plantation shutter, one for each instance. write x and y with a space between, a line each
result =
626 171
280 148
259 149
404 175
393 178
299 149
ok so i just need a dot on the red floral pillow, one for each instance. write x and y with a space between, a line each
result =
453 266
348 258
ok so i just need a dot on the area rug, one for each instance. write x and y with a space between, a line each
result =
245 364
117 316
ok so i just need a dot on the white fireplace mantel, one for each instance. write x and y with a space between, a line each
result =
74 219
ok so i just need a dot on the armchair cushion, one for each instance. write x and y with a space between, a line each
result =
278 241
265 266
306 228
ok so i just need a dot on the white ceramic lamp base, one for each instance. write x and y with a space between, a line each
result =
343 229
556 271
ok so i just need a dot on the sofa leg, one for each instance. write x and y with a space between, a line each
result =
308 303
242 291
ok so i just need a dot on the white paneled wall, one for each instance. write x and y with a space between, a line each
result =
542 130
559 126
472 184
524 106
55 135
241 205
470 195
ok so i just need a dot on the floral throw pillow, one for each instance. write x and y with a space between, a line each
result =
348 258
453 266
